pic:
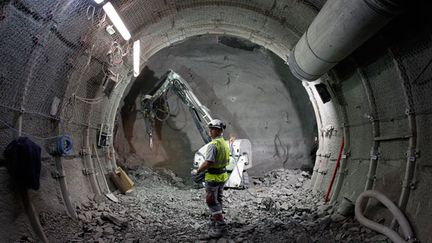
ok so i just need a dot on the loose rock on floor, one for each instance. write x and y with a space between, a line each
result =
277 207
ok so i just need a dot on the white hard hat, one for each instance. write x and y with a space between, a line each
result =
216 123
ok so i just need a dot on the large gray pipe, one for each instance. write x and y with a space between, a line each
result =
339 28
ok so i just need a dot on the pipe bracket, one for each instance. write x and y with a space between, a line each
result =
346 155
412 156
409 111
88 172
374 155
84 152
57 175
413 185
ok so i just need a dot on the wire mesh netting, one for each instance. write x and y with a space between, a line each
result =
54 65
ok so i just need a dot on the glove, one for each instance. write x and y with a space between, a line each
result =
194 172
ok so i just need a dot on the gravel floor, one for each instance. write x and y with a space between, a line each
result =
276 208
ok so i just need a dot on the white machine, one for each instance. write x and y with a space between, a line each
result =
154 106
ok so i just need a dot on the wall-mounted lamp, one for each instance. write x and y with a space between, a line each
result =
136 57
116 20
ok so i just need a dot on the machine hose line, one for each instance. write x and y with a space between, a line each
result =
390 233
63 145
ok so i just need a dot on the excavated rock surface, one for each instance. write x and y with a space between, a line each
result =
276 208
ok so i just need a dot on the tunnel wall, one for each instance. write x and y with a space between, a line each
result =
51 78
65 57
30 27
386 83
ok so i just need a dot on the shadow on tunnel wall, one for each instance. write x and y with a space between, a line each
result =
302 105
171 148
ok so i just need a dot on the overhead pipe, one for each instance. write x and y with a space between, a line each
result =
397 213
339 28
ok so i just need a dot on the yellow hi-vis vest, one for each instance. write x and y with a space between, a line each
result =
221 161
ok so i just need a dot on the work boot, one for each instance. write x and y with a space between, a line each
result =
221 225
214 231
211 224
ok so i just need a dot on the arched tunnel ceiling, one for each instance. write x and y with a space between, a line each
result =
380 95
274 25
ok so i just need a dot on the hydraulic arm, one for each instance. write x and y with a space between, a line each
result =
154 106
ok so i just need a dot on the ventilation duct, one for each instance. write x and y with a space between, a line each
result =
339 28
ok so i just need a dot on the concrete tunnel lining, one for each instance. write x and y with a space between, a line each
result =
380 68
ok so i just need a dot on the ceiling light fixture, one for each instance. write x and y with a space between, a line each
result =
99 1
136 57
116 20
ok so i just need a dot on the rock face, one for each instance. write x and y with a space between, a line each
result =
275 208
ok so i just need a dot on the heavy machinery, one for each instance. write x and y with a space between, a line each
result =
154 106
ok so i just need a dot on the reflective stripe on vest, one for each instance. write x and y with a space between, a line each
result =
221 160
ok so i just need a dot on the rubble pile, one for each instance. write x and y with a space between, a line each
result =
277 207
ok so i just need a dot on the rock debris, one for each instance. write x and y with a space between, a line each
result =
277 207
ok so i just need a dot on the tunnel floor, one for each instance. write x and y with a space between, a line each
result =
277 207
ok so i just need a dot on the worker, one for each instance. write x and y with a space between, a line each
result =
216 159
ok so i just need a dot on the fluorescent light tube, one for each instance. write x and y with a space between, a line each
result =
116 20
136 57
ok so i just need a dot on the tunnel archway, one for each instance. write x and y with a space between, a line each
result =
380 95
245 85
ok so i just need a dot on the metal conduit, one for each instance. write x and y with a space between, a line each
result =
339 28
345 153
64 188
88 163
319 126
344 157
89 168
373 117
411 154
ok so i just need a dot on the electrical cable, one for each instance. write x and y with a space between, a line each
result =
27 134
63 145
90 13
90 101
102 19
175 114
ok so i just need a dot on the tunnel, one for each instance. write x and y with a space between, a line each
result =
332 95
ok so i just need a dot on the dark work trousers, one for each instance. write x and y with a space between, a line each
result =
214 194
